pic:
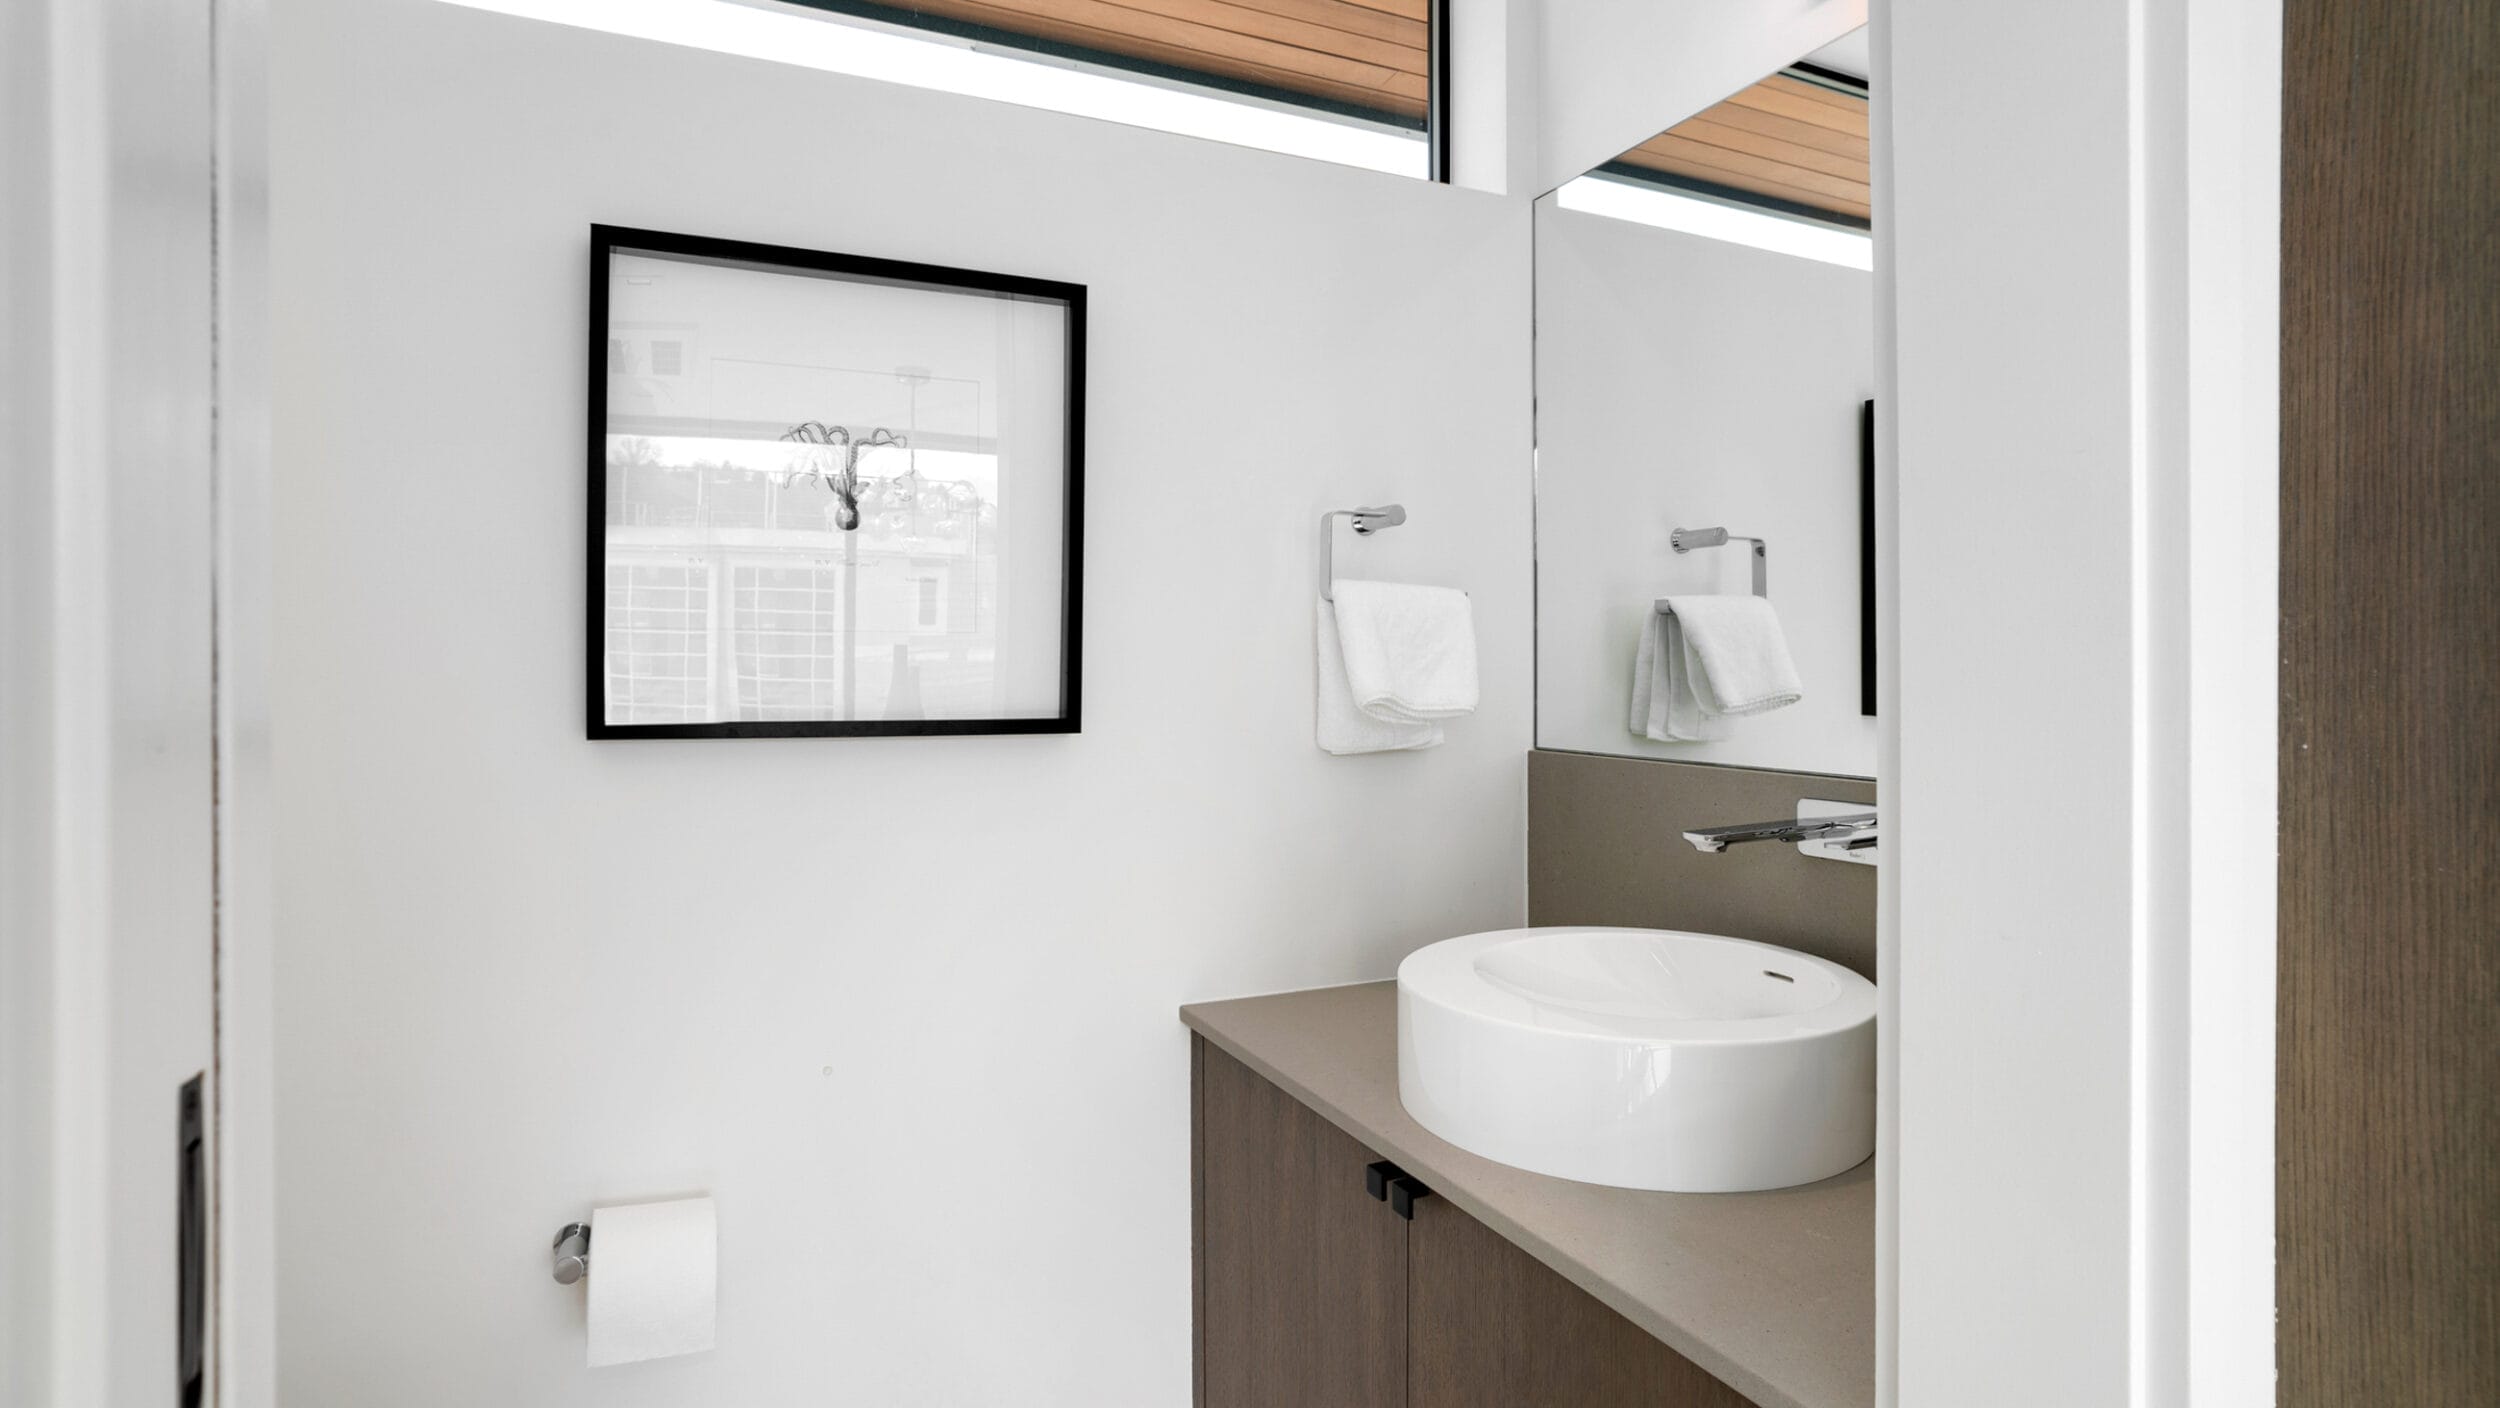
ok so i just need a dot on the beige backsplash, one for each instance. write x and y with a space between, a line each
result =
1606 846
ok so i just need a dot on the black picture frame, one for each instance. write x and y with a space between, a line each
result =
608 240
1866 559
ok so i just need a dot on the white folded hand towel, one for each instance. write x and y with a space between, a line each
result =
1344 729
1706 659
1664 707
1410 652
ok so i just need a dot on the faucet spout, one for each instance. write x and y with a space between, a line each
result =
1719 838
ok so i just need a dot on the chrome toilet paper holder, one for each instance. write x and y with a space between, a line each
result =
572 1253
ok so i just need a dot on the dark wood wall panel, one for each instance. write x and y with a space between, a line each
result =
2388 1136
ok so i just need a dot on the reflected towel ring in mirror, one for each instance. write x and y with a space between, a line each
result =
1687 539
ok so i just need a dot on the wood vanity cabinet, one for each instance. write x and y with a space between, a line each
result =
1312 1294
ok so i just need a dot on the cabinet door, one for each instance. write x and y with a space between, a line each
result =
1489 1326
1301 1275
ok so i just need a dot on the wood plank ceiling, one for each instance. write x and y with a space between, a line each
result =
1786 137
1370 54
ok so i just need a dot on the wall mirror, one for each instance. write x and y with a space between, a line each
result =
1705 361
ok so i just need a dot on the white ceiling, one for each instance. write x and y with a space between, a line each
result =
1847 54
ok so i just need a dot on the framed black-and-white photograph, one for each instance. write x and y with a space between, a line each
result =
830 495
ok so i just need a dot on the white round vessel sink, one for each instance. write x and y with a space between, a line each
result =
1640 1058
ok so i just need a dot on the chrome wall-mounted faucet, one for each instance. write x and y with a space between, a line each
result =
1719 838
1826 830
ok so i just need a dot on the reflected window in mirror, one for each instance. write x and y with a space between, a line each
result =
1781 164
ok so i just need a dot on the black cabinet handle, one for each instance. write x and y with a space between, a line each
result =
1387 1183
1404 1193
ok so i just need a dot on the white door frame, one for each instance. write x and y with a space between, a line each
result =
2076 276
133 738
246 1348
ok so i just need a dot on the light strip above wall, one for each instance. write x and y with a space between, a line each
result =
814 40
1651 205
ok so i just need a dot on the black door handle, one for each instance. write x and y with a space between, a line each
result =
1376 1179
191 1250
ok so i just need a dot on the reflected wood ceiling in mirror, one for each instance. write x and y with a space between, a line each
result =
1791 139
1371 55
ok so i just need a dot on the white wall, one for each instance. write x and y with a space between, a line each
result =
1493 95
1618 72
1692 382
1887 709
107 781
245 1353
2015 967
904 1006
2078 1152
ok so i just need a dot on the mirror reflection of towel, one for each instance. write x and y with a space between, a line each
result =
1706 659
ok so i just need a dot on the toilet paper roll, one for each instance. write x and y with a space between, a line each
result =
654 1280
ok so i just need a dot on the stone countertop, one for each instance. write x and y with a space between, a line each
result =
1773 1293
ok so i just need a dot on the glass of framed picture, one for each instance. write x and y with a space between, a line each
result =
830 495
